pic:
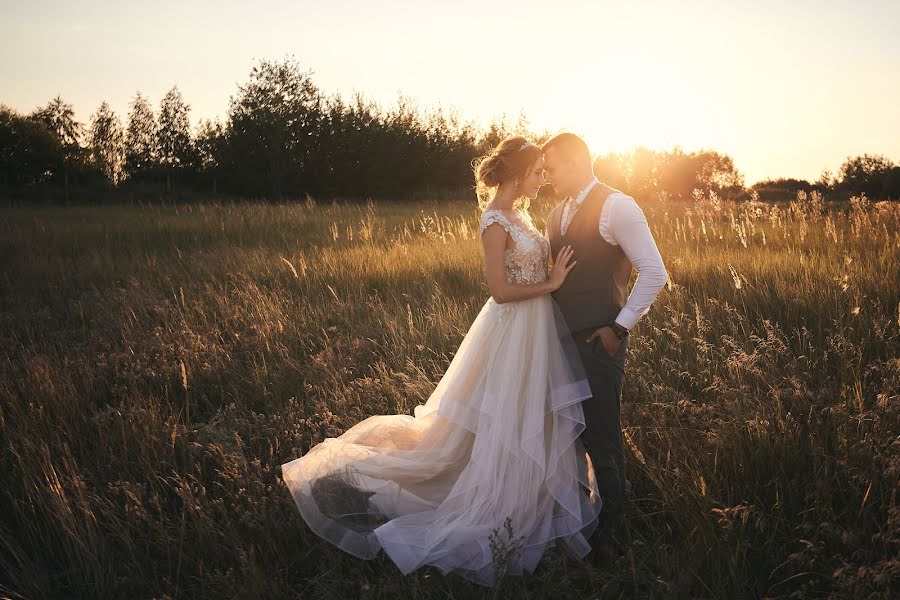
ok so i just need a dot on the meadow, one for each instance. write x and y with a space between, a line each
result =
159 364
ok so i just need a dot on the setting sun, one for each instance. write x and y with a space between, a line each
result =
636 100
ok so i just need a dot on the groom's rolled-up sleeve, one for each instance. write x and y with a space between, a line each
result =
629 227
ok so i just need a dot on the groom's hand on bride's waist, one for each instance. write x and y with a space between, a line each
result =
608 337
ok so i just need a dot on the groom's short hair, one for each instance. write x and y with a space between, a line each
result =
571 146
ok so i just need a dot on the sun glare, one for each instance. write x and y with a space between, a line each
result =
637 102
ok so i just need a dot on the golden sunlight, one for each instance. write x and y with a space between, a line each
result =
639 101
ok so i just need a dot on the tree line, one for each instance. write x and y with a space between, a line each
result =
283 137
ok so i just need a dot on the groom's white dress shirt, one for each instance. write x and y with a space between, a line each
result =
622 223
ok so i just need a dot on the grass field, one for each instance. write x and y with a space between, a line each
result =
159 364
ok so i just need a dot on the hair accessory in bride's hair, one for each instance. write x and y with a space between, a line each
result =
525 145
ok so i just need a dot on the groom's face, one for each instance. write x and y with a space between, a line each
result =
561 172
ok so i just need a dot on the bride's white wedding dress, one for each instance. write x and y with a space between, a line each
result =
496 440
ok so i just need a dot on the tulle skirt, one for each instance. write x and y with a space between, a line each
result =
484 476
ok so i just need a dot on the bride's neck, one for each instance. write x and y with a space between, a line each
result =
504 199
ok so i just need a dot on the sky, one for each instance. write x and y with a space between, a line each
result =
786 88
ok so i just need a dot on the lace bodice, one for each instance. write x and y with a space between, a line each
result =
526 261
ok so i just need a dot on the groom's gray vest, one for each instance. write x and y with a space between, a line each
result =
596 289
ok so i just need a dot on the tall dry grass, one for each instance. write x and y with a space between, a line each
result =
160 363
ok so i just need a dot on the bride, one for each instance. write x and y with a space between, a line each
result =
489 471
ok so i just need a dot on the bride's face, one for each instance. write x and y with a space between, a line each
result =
534 179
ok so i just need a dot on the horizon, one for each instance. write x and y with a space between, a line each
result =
811 102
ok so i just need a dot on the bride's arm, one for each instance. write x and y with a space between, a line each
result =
494 241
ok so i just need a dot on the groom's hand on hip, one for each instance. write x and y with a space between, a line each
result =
608 338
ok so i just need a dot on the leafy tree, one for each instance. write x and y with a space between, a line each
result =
208 144
865 173
826 181
58 117
498 130
612 169
643 173
646 173
176 149
29 151
107 144
680 173
782 189
716 171
273 127
452 145
891 187
141 142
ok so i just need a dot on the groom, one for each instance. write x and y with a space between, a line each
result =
609 235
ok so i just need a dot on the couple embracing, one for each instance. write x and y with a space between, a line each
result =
523 428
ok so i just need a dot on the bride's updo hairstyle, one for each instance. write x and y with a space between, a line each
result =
509 161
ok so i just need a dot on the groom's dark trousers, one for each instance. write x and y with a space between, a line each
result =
592 295
602 436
